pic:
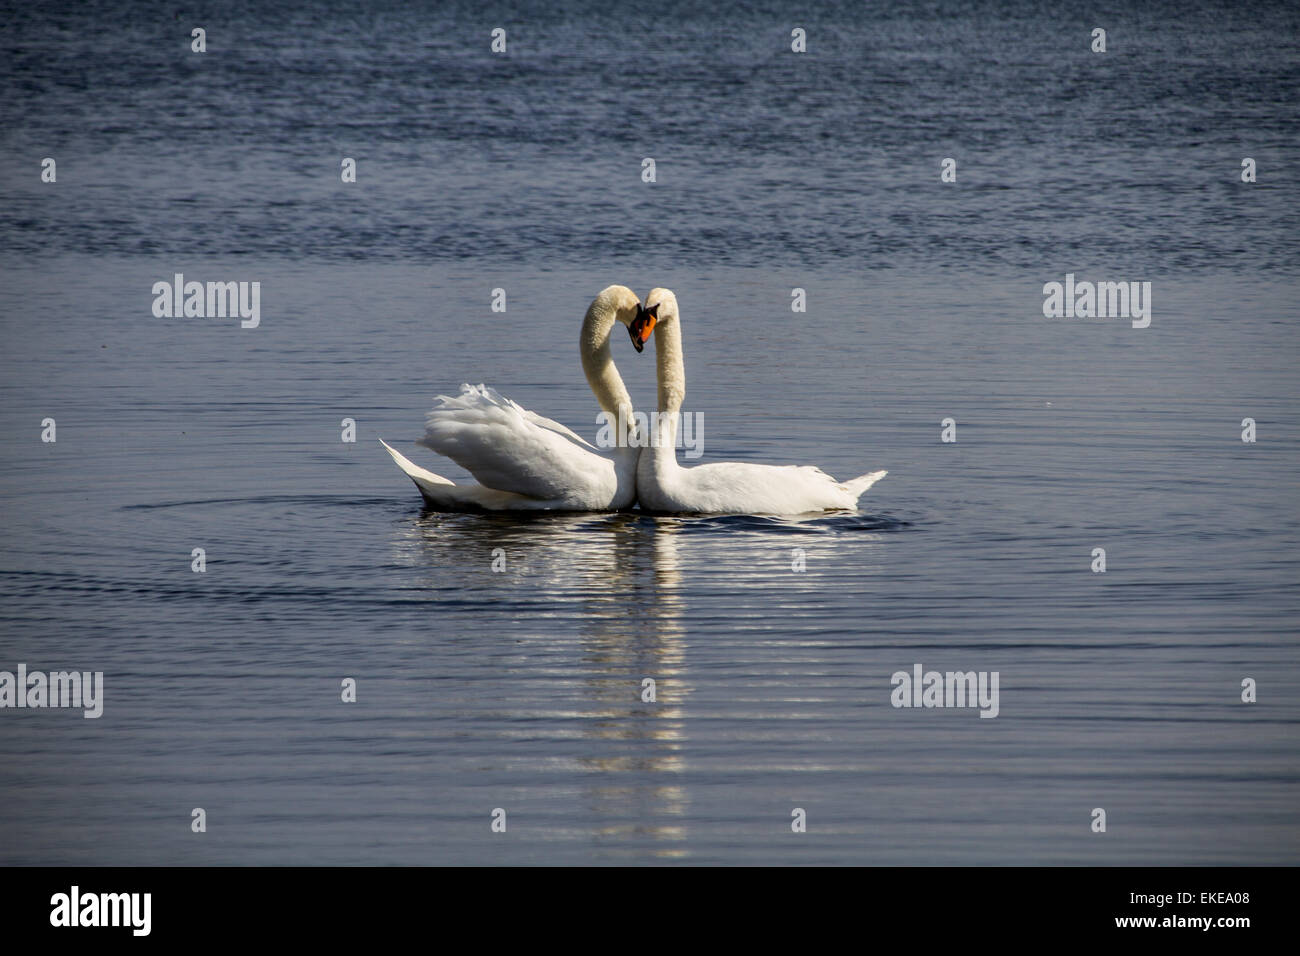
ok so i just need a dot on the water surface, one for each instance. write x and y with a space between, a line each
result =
522 689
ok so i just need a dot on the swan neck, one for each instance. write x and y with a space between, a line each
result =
671 366
598 363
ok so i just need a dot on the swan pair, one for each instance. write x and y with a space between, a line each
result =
524 462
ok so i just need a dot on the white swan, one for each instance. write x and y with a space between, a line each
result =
725 487
525 462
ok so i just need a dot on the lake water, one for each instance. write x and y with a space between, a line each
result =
521 689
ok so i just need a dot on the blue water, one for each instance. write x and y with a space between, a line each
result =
521 689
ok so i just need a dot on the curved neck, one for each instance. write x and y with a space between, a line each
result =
671 374
671 367
598 363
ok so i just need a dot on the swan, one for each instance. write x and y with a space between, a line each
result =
524 462
724 487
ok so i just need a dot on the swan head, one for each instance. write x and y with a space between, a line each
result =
642 326
618 300
660 306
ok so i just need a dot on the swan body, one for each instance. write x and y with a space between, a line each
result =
722 487
523 461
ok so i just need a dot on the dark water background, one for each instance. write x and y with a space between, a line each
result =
521 689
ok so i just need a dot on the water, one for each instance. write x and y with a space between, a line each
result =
522 689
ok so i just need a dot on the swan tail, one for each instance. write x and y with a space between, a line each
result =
443 494
436 489
414 471
856 486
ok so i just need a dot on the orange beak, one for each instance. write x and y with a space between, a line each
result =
643 326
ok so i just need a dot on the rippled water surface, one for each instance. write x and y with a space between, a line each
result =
521 688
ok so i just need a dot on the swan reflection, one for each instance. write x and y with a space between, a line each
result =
618 576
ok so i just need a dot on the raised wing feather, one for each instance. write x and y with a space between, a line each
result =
509 448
